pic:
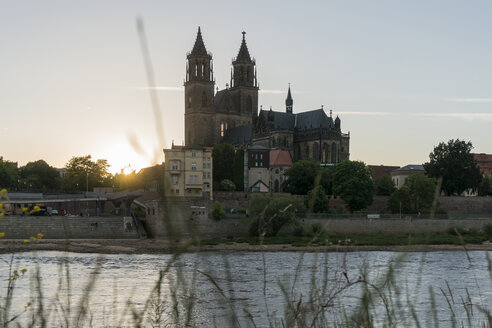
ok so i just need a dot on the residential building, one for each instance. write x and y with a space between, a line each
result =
484 162
399 175
188 171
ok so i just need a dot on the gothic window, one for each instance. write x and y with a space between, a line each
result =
204 99
326 153
306 151
276 186
189 102
297 152
196 69
249 104
221 129
241 73
316 151
333 153
203 69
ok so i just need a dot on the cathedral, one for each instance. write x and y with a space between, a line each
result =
231 115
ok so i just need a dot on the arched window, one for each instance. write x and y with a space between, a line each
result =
297 152
249 104
203 69
221 129
326 153
276 187
333 153
189 102
316 151
204 99
306 151
196 69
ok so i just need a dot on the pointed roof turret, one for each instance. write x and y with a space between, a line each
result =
289 102
199 47
243 55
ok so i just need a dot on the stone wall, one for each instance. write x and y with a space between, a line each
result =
62 227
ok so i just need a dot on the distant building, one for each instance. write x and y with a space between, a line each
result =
400 175
379 171
484 162
188 171
266 168
151 177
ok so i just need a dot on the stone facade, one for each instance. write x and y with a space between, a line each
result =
231 115
188 171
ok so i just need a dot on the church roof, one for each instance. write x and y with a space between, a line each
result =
281 120
199 47
239 135
243 55
313 119
280 158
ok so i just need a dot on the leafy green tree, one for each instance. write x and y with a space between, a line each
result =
217 212
384 186
485 188
400 201
316 201
455 164
223 163
227 185
9 175
301 177
40 176
416 195
239 170
84 173
352 182
271 213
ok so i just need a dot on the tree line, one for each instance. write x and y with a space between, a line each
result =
82 173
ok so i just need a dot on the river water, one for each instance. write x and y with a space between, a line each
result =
247 287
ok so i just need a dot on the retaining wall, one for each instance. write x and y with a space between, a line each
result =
63 227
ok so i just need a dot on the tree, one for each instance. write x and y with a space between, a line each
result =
8 174
271 213
217 212
485 188
352 182
84 173
227 185
416 195
384 186
223 163
301 177
239 170
39 176
316 201
455 164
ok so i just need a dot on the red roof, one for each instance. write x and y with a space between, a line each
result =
378 171
280 158
484 161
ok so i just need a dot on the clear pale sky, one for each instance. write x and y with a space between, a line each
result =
402 75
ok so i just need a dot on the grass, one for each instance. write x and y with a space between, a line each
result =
355 239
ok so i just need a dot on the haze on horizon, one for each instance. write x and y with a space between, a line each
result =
402 76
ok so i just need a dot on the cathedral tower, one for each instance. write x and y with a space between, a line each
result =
244 80
199 95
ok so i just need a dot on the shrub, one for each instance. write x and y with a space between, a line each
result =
487 229
317 228
217 212
227 185
299 231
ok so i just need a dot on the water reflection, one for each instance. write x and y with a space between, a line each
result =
259 284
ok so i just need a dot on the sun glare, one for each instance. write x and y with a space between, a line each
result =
123 159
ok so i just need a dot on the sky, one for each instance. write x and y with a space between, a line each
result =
402 75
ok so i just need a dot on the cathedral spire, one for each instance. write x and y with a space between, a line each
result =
243 55
199 47
289 102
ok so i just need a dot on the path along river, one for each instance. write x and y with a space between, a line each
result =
261 284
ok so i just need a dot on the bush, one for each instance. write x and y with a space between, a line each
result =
317 228
487 229
299 231
227 185
217 212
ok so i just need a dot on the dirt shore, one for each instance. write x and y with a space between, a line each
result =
153 246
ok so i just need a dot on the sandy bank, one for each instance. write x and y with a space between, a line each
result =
148 246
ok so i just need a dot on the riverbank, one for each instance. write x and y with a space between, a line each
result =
150 246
